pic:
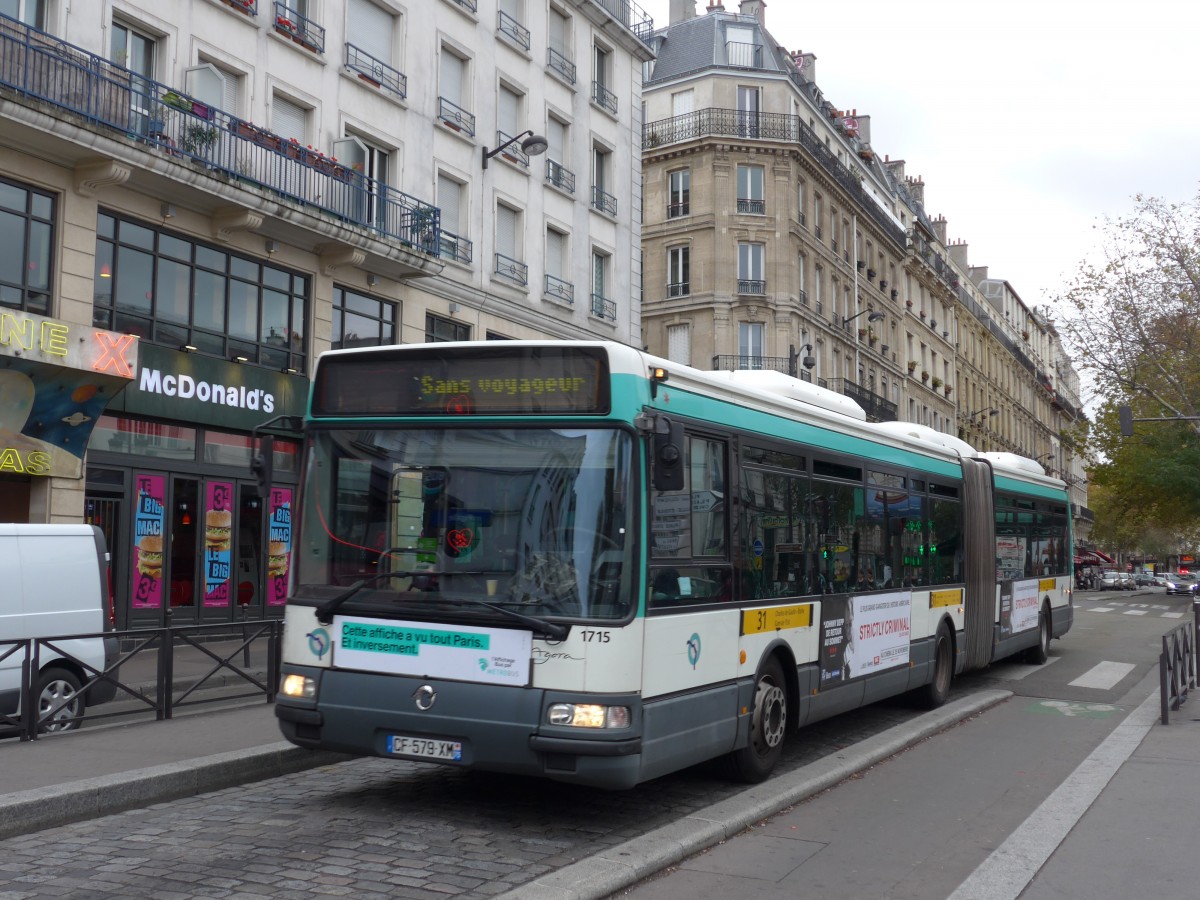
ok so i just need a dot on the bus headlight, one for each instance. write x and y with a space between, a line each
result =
298 686
588 715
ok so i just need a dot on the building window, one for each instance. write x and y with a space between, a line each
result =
452 93
509 122
679 271
602 96
360 320
602 200
557 144
370 43
558 284
135 51
509 246
602 307
558 52
27 235
30 12
750 198
177 292
455 244
679 344
438 330
508 23
750 269
750 345
679 193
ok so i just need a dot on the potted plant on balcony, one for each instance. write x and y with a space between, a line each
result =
937 382
197 139
912 366
924 375
948 390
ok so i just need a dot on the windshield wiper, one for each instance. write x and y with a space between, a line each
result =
325 611
553 629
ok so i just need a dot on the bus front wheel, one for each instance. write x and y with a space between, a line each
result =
1039 654
768 725
934 694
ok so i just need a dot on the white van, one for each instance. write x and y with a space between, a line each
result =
55 583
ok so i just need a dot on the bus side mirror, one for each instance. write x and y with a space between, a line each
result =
262 465
668 455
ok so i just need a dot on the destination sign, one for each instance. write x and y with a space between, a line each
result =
476 381
776 618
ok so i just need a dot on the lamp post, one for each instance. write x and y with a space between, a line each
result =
987 410
532 145
872 316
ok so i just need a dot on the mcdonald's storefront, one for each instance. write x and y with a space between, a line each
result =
168 479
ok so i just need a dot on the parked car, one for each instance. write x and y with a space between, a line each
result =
1182 583
1127 582
1144 579
1111 581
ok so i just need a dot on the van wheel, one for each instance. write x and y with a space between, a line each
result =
1039 654
934 694
768 725
59 701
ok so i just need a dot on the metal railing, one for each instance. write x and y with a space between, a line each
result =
455 116
631 16
513 152
301 29
146 676
559 289
737 363
456 248
511 28
604 98
603 201
560 176
877 408
375 71
165 120
1177 665
603 308
559 63
512 269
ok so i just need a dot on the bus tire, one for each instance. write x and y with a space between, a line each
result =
1039 654
934 694
768 725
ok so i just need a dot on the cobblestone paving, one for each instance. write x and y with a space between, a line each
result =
374 828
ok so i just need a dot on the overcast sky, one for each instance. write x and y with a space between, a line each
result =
1030 121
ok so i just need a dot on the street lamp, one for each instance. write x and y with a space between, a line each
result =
533 145
871 317
988 411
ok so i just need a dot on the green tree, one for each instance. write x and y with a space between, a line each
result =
1133 323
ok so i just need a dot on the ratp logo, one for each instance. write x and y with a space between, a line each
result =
693 649
318 642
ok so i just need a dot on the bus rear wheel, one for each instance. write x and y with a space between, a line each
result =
768 725
934 694
1039 654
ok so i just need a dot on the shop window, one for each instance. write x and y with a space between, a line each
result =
438 329
176 292
114 434
360 320
227 449
26 233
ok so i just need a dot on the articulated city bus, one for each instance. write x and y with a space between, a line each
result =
577 561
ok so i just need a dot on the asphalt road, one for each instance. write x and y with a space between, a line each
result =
386 828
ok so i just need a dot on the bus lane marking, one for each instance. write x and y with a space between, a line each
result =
1103 676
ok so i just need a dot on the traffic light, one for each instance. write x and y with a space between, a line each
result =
1125 414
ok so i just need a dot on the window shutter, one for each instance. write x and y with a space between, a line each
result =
369 28
507 222
449 199
681 103
351 152
559 31
452 77
207 84
555 251
509 114
679 344
289 120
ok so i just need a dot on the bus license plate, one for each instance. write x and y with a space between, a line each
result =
424 748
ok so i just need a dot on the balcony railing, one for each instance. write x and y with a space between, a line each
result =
513 152
604 98
456 248
559 63
511 28
752 207
751 286
301 29
746 56
761 126
469 5
604 201
677 210
249 7
455 116
561 178
512 269
603 308
679 289
559 289
631 16
877 408
737 363
164 120
375 72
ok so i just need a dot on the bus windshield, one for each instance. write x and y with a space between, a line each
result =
536 520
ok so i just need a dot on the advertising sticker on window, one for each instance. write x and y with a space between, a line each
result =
279 546
148 515
218 535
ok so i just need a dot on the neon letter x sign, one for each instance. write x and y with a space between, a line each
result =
112 349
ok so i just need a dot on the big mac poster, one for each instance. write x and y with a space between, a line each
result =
218 533
279 546
148 517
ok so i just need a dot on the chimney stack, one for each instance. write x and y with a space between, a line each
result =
715 6
756 8
682 10
939 228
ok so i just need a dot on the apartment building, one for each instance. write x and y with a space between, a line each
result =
200 196
775 235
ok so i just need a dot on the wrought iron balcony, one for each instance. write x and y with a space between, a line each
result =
737 363
679 289
470 6
877 408
604 98
631 16
752 207
559 64
774 127
301 29
456 248
249 7
603 308
455 116
677 210
375 72
751 286
561 178
39 67
745 56
512 269
560 290
513 152
604 201
511 28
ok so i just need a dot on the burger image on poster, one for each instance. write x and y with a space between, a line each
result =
277 561
20 451
218 529
150 556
